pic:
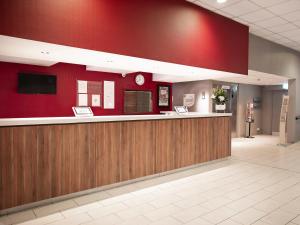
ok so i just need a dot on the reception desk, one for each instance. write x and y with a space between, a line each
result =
43 158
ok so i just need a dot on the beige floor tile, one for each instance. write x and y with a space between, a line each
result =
92 198
190 213
105 220
248 216
199 221
242 204
21 217
44 220
292 207
229 222
53 208
164 201
106 210
278 217
74 220
267 205
260 195
296 220
4 220
260 223
191 201
80 209
166 221
135 211
216 203
140 199
219 215
237 194
139 220
122 190
160 213
283 185
116 199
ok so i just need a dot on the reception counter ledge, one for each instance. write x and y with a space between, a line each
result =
43 158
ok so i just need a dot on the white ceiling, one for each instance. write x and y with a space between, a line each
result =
257 78
275 20
253 78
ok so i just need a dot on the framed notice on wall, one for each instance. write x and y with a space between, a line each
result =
89 93
163 96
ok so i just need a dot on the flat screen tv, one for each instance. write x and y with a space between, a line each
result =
29 83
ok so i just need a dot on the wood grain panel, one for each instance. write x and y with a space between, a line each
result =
185 134
108 145
144 149
165 146
221 143
45 163
55 142
40 162
6 168
84 163
127 158
26 142
204 140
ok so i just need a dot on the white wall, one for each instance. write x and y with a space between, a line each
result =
268 57
194 87
271 106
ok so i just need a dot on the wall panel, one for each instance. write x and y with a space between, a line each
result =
45 161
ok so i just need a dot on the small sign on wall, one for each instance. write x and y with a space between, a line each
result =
82 100
189 100
96 101
163 96
82 87
109 95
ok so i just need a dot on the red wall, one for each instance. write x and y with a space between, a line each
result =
168 30
13 104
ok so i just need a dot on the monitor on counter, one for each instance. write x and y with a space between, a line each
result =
30 83
181 110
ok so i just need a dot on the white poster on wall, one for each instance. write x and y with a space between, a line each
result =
82 86
96 101
82 100
109 94
189 100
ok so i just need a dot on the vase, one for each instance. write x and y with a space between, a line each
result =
220 107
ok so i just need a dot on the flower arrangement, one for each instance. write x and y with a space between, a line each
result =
219 96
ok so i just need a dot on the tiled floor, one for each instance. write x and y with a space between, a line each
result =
259 185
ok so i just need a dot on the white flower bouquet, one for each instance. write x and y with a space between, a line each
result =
219 96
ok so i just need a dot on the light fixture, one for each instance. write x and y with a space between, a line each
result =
285 86
203 94
221 1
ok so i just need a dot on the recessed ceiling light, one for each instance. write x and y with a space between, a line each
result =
221 1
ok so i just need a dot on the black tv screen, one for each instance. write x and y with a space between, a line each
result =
36 84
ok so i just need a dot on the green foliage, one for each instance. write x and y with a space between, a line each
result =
219 96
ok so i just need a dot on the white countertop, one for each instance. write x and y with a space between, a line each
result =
70 120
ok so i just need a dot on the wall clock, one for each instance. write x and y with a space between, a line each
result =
140 79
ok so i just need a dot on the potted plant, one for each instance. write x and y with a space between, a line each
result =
219 97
